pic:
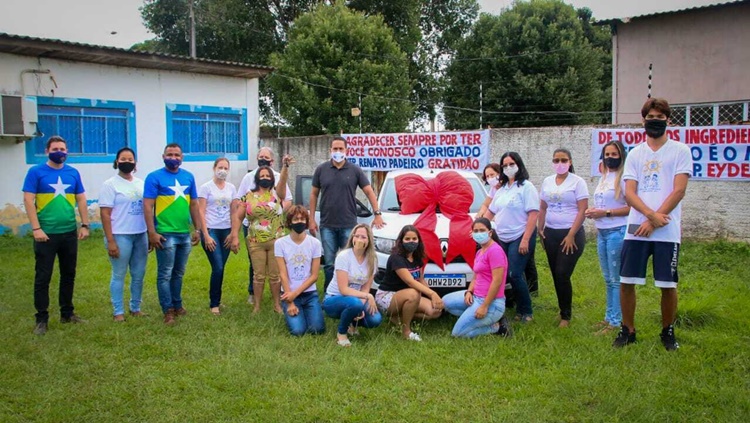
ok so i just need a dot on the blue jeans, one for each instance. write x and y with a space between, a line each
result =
609 245
347 309
468 326
217 258
133 254
310 316
250 275
171 261
333 240
516 273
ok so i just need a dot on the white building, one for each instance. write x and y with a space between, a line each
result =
102 98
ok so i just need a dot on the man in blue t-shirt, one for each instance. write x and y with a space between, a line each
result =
51 191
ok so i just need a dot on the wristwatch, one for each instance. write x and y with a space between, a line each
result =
377 213
84 225
609 213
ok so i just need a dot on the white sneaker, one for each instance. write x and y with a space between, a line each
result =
250 299
413 336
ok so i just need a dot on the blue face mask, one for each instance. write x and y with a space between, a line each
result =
172 164
481 238
58 156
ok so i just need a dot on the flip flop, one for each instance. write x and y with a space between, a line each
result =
344 343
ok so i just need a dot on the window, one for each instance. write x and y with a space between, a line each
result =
206 133
710 114
93 129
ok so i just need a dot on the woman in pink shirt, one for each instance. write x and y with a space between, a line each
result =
481 307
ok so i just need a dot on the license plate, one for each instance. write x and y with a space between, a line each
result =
448 280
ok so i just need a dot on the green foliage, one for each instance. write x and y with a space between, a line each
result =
342 52
538 56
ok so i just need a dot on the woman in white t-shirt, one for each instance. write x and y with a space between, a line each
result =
348 295
491 177
514 209
564 200
298 258
610 214
121 209
214 203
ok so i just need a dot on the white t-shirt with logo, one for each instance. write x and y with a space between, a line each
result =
218 204
562 200
347 262
298 258
604 198
125 198
511 206
248 184
655 171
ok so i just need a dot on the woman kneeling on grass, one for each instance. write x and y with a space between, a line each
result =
348 295
298 259
400 295
481 307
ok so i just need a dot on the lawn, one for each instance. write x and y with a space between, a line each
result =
243 367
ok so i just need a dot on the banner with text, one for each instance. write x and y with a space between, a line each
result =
719 152
462 150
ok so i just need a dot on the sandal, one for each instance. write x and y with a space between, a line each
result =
352 331
413 336
607 329
344 342
523 318
215 311
599 325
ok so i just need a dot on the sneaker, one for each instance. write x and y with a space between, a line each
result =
413 336
73 318
40 328
169 317
504 330
624 337
180 312
668 340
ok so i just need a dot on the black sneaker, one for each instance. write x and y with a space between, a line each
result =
625 337
40 328
504 330
668 340
73 318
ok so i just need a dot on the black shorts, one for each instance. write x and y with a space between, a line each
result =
635 256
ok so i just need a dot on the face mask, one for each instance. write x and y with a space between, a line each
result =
126 167
410 246
222 174
338 156
172 164
299 227
360 245
510 171
493 182
655 128
612 162
561 168
58 156
481 238
264 162
265 183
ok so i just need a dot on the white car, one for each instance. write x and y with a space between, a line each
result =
458 273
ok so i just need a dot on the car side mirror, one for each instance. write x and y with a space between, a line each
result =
362 210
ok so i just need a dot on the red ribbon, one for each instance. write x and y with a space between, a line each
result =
454 195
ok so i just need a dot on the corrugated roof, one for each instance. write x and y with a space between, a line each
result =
626 19
104 55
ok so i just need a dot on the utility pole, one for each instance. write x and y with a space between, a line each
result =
480 106
360 112
192 30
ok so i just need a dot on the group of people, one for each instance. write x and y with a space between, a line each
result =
169 213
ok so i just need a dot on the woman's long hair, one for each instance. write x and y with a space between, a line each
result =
418 255
256 178
618 173
369 250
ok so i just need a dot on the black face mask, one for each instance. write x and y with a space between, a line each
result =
612 162
655 128
410 246
264 162
299 227
265 183
126 167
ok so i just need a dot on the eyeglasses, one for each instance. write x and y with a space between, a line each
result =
505 166
560 160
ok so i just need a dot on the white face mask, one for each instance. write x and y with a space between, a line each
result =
510 171
494 182
222 174
338 156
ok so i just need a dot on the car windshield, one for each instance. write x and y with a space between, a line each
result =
389 201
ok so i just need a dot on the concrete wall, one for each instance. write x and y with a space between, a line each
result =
149 90
698 56
711 209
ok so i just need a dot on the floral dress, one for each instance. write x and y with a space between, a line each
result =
265 215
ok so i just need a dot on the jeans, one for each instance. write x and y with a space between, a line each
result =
217 258
562 266
171 261
65 248
310 316
468 326
609 245
532 277
134 254
333 240
347 309
517 264
250 274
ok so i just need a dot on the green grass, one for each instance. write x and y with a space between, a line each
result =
240 367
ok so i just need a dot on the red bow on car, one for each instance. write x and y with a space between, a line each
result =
454 195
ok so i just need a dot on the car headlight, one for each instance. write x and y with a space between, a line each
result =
384 245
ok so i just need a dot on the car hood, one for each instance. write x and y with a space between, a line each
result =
395 221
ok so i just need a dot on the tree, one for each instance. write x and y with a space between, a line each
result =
332 55
536 67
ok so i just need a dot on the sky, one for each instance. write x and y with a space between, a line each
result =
118 23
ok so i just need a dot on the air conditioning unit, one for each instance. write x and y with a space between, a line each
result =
18 117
